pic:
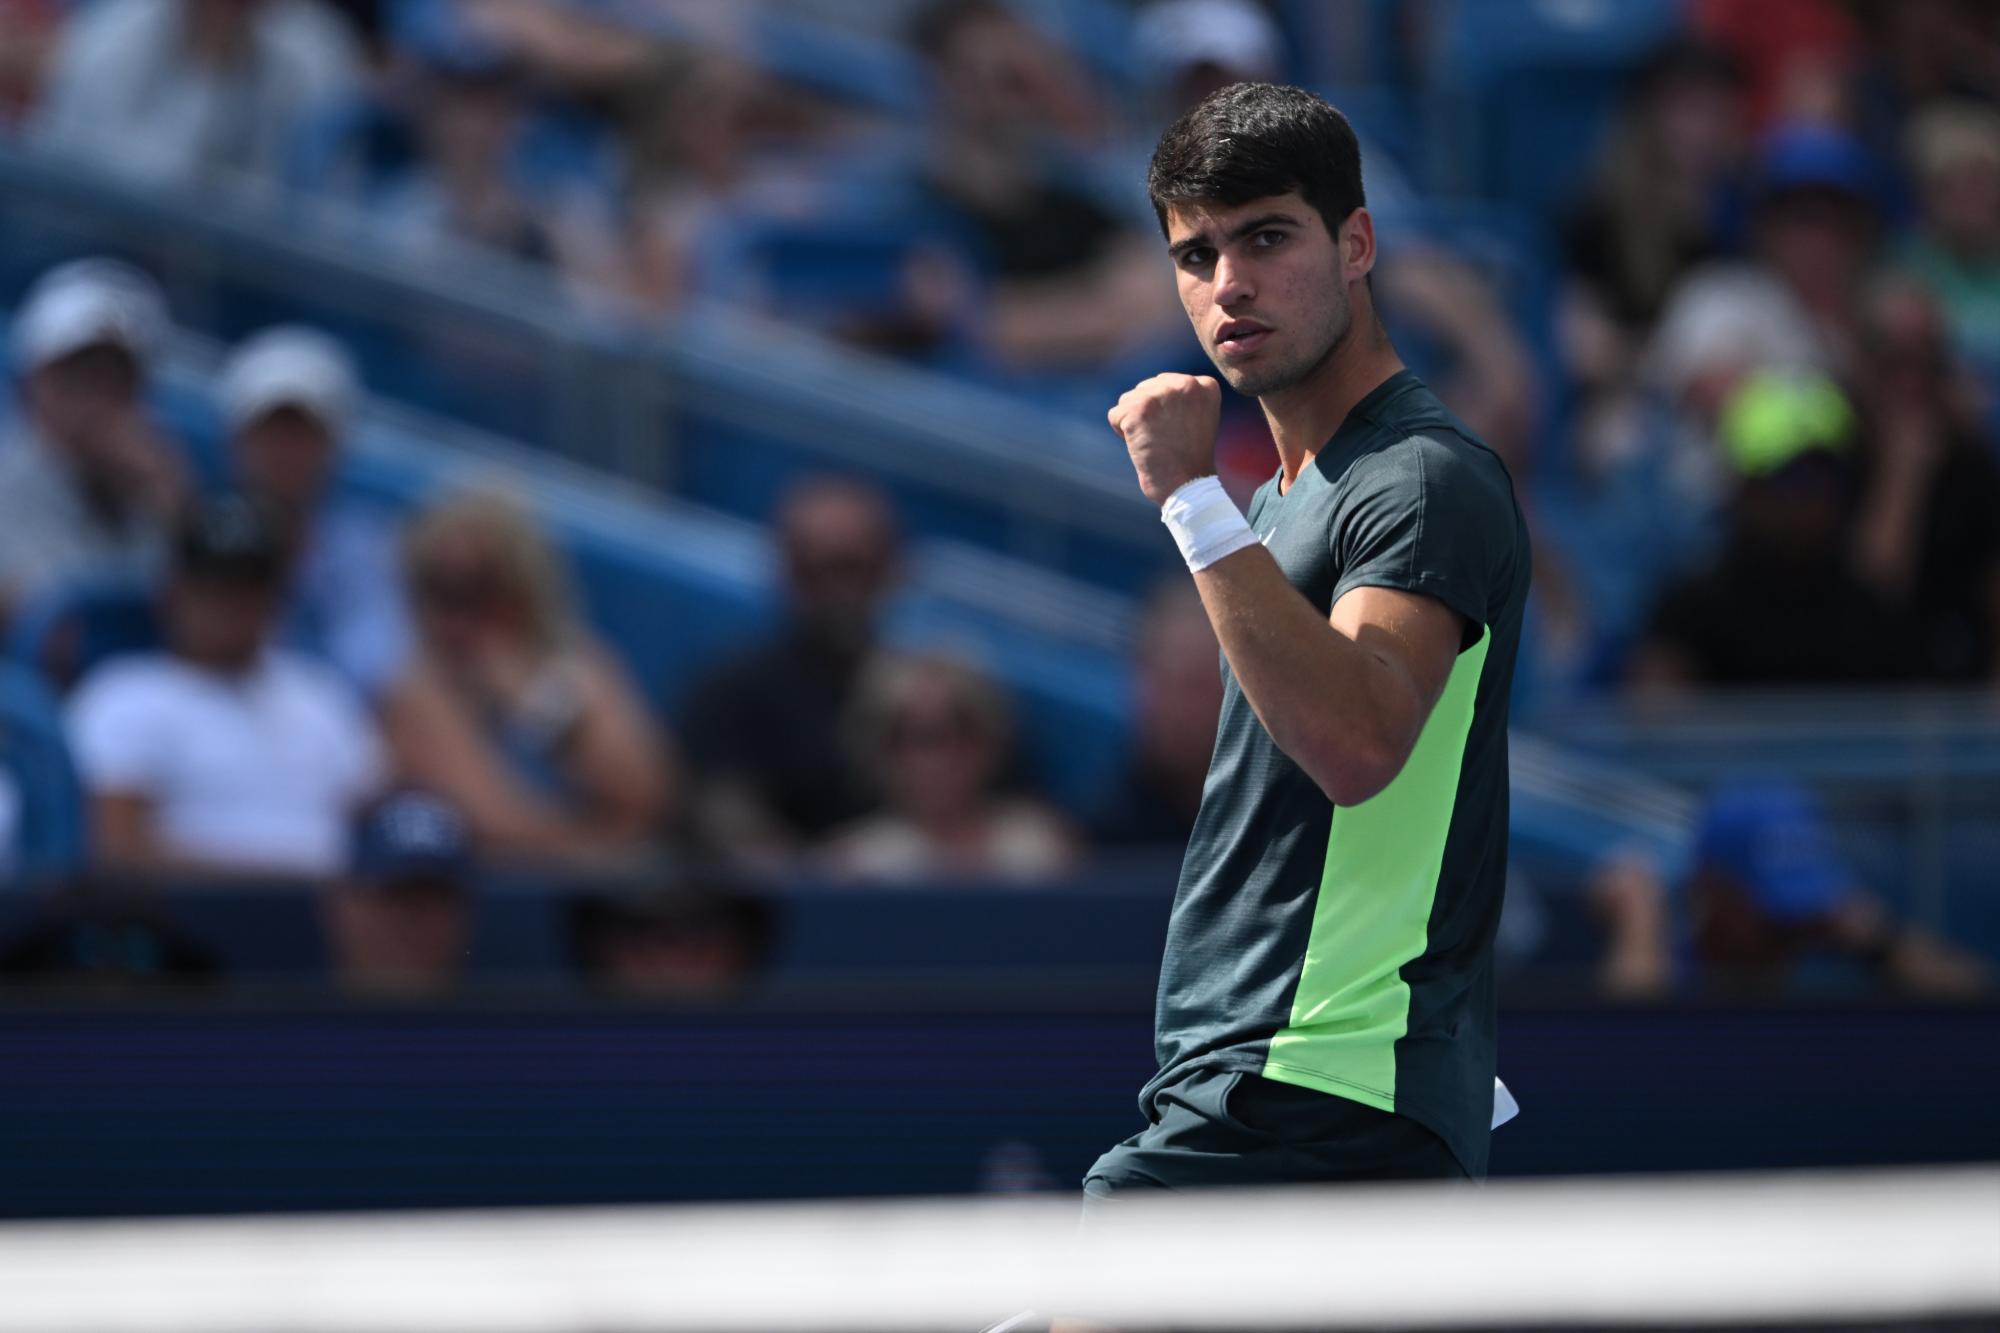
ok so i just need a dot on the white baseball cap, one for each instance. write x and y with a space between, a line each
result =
87 303
1235 35
290 366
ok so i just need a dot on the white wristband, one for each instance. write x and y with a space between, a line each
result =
1206 523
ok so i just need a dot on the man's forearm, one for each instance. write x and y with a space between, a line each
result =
1339 710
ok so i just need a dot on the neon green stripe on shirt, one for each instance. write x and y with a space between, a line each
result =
1373 911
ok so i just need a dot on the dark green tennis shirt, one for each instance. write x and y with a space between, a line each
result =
1350 949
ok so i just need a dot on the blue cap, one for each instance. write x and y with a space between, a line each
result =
1808 156
1770 836
412 835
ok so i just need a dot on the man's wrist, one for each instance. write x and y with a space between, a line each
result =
1205 523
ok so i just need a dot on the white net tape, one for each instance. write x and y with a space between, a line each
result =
1829 1247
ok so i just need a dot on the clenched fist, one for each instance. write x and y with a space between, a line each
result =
1168 423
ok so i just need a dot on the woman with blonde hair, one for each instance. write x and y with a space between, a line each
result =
513 710
934 734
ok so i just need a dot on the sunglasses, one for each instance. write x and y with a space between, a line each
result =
931 731
467 591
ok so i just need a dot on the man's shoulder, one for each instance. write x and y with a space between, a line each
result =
1435 462
147 681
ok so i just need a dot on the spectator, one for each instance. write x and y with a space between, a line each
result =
512 710
1656 209
1922 53
1926 539
1072 285
399 921
1819 222
1768 893
763 726
86 487
222 754
1955 152
1657 484
693 141
194 92
934 736
1791 306
683 943
487 170
288 395
712 141
1177 696
1781 604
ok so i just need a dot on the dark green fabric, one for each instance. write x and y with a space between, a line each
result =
1401 497
1222 1128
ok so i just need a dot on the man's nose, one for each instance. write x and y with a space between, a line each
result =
1232 282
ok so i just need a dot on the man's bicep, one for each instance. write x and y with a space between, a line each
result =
1416 638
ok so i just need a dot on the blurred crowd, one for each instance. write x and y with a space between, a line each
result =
1757 439
1779 325
451 655
1796 206
290 679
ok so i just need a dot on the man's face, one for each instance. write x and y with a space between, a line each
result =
1265 286
991 71
402 938
220 622
80 400
1818 239
285 457
1964 206
840 564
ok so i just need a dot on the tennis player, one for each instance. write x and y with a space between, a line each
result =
1326 1004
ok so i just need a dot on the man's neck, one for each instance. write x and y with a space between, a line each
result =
233 669
1304 417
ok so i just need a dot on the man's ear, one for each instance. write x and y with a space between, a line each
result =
1357 245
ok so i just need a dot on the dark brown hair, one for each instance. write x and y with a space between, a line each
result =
1250 140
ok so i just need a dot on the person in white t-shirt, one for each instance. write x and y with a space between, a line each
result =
223 754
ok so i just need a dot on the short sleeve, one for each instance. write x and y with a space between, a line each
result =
120 733
355 758
1432 518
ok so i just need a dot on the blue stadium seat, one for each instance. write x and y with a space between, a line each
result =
819 271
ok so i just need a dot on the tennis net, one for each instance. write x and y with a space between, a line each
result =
1872 1250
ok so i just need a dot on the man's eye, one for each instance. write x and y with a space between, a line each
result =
1199 257
1267 239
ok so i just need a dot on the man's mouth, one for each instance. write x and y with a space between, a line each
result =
1239 337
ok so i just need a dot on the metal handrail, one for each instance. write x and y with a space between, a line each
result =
615 372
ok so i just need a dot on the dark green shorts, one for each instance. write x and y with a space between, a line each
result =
1221 1127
